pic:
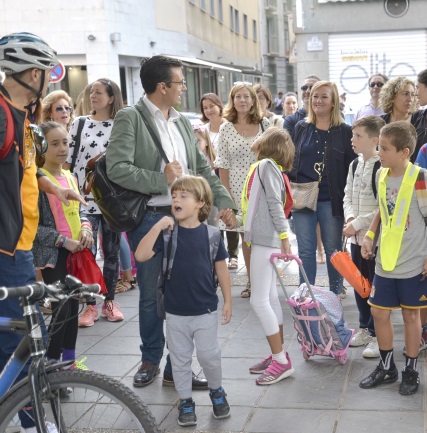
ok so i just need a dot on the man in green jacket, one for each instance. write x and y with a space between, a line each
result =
134 162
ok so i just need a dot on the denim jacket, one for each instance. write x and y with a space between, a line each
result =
339 154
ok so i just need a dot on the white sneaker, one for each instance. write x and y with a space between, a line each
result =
50 428
343 294
360 338
372 350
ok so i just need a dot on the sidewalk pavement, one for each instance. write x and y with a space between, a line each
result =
322 396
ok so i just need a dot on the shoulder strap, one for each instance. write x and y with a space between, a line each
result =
153 136
354 166
170 241
262 125
10 129
82 121
377 165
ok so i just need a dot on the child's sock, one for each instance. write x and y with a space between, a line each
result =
411 362
387 359
280 357
68 355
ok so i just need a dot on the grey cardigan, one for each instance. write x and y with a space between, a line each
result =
265 217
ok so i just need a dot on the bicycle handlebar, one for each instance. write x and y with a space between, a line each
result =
37 291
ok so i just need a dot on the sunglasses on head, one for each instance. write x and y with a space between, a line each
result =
40 142
61 108
305 88
377 84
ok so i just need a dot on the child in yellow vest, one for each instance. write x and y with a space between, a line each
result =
61 232
401 265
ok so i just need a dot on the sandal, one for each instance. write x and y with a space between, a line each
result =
232 264
125 285
247 292
321 257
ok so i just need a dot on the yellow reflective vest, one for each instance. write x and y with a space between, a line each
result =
393 226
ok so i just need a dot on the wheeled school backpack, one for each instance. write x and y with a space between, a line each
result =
170 240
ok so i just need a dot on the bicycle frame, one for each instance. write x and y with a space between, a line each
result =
31 346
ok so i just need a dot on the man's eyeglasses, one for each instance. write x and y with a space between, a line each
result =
182 83
61 108
305 88
376 84
39 139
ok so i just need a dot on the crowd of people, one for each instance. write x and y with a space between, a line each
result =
231 169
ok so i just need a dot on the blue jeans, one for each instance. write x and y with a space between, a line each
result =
125 260
305 222
150 325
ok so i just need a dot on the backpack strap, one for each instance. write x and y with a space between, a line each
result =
377 165
10 129
77 142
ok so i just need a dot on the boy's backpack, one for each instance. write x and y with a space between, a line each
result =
10 129
377 165
170 244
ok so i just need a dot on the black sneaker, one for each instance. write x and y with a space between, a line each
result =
379 376
187 413
410 381
221 408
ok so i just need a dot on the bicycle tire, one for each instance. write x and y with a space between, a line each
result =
96 403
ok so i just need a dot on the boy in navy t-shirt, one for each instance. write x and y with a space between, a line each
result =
190 297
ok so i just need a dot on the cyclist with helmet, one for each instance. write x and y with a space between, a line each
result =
26 60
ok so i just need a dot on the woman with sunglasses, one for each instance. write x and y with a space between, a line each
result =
58 106
245 123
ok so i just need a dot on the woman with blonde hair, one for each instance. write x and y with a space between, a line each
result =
58 106
245 123
397 99
323 153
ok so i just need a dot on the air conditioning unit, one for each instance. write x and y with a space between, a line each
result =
396 8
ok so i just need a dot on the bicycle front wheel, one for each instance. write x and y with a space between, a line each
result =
84 401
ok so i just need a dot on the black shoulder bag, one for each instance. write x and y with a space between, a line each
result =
123 209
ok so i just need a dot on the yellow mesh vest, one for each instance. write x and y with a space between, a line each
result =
393 226
71 212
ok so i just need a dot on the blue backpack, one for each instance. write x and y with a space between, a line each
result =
170 240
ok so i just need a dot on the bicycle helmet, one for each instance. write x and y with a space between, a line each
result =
22 51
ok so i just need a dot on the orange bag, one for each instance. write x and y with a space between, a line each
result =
342 262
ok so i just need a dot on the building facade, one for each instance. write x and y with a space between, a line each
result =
217 40
346 41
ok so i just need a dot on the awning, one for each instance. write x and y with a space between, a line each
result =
194 61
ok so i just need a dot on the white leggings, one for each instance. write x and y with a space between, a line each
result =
264 296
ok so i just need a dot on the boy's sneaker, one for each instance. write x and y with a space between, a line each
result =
89 316
343 294
221 408
111 312
275 372
372 350
410 381
360 338
187 413
261 366
379 376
